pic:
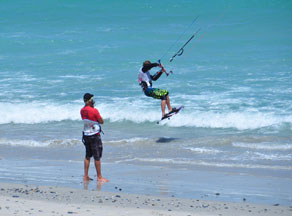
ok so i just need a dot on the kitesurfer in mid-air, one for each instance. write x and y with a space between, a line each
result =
145 80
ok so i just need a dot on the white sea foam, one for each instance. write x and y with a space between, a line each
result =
171 161
207 119
133 140
263 146
66 142
128 111
37 112
46 143
251 156
239 120
203 150
273 157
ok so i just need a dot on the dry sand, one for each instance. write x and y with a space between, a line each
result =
21 200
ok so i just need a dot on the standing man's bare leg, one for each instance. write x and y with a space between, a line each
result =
86 168
98 171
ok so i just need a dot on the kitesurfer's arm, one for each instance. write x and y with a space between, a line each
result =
157 75
149 67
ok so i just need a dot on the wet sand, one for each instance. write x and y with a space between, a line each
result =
20 199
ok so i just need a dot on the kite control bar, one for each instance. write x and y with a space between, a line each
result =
163 69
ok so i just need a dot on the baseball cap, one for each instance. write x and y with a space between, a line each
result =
87 97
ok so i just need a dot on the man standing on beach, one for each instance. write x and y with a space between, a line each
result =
91 137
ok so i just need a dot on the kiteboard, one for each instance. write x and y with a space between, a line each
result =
169 115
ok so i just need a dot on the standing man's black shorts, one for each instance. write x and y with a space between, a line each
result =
93 146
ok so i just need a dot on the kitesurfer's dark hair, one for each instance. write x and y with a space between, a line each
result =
147 62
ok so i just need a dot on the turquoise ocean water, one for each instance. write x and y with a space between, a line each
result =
234 79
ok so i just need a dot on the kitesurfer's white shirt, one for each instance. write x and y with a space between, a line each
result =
144 76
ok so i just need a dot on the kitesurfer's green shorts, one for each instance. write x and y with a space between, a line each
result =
156 93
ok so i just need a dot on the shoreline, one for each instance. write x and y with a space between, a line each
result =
22 199
201 183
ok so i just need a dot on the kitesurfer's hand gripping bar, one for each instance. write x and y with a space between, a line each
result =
163 69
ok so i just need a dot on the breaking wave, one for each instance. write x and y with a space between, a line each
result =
43 112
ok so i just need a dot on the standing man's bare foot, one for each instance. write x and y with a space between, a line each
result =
102 180
87 178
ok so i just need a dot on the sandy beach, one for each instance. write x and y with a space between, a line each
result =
20 199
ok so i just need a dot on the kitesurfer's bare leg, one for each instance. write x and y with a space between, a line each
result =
163 102
168 104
